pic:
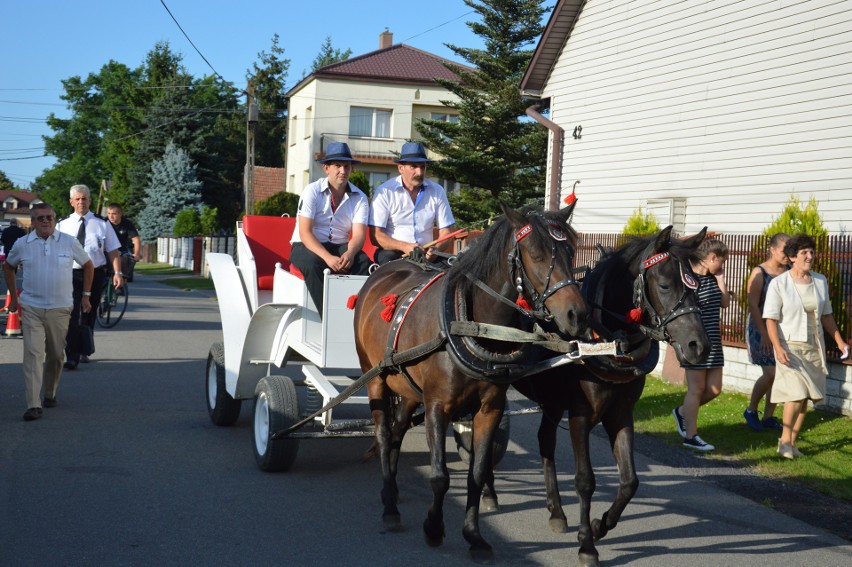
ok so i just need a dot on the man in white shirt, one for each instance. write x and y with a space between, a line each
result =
46 297
406 208
331 224
101 243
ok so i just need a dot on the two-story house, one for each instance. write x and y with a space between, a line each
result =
706 113
371 102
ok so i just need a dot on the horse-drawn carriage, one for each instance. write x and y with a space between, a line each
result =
451 344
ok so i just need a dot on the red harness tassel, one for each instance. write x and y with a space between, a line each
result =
350 303
390 302
634 315
523 304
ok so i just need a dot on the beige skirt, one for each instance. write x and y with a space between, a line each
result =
803 378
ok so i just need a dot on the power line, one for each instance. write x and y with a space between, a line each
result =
438 26
190 41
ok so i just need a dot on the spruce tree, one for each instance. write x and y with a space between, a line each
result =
493 146
173 187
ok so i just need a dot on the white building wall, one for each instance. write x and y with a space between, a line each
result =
331 101
733 105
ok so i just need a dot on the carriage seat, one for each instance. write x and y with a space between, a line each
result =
269 240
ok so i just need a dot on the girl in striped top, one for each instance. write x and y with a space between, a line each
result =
704 381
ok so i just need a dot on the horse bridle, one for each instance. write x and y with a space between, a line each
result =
658 330
523 284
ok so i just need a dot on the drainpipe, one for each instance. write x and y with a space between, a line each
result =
552 201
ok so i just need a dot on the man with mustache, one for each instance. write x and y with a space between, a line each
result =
406 208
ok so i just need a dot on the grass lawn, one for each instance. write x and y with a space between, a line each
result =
826 438
185 283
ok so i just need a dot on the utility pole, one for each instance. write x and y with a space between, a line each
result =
251 128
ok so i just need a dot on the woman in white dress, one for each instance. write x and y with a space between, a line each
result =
797 310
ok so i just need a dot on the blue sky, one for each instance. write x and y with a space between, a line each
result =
45 41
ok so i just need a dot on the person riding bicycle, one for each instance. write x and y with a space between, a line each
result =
131 246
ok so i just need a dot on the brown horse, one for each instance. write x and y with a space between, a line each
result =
651 274
518 272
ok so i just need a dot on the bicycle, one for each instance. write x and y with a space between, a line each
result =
113 303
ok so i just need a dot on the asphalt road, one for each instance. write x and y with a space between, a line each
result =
129 470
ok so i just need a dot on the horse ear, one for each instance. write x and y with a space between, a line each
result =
663 241
695 240
514 217
564 215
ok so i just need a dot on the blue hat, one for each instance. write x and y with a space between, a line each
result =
337 151
413 152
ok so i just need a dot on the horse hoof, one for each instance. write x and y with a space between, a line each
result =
588 560
482 555
434 534
558 525
392 522
489 504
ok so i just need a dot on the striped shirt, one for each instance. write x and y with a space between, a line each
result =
47 266
710 302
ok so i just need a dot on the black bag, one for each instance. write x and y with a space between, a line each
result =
85 336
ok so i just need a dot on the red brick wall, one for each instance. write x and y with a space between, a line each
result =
267 182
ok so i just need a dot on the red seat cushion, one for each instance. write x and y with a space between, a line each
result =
269 240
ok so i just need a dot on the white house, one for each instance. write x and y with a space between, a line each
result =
371 102
705 113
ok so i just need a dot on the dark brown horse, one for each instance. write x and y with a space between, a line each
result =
524 258
651 274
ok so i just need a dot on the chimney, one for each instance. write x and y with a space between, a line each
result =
385 39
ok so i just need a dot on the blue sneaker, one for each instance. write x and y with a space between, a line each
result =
679 422
752 419
772 423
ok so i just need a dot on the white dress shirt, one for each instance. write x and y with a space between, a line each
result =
47 268
407 220
334 227
100 236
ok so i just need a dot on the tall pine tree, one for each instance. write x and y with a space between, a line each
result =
493 146
266 80
173 187
328 55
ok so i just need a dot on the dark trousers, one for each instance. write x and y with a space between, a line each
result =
312 267
72 339
384 256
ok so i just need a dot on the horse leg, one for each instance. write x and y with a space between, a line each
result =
584 484
402 411
439 476
547 449
379 407
480 473
621 439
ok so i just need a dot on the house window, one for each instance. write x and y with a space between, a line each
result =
309 113
293 123
444 117
377 178
668 212
369 122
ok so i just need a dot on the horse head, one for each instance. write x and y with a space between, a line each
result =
665 290
540 265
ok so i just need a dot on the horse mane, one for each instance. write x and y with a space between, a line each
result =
487 256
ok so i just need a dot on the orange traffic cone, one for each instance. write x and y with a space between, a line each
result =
13 324
8 301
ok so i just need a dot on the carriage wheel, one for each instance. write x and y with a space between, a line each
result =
463 434
223 409
276 407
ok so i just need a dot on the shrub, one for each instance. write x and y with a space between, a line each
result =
359 179
209 220
641 224
187 223
277 205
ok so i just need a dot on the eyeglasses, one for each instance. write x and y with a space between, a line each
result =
45 218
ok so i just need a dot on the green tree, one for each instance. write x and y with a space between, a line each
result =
266 80
474 207
209 220
174 187
329 55
493 146
6 183
281 203
360 180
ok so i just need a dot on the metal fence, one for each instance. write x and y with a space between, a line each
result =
745 251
